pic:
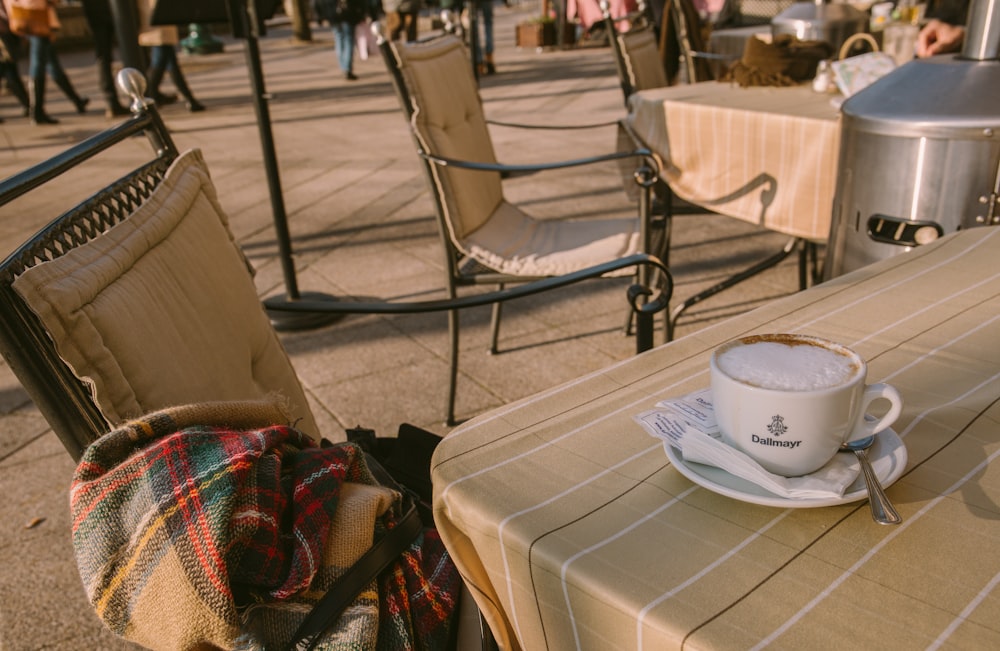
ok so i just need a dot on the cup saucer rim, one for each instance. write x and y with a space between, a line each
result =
888 446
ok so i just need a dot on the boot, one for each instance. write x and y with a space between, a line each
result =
115 108
80 103
38 114
154 77
16 87
490 69
180 82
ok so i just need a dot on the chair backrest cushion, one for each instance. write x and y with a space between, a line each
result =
641 55
448 120
161 310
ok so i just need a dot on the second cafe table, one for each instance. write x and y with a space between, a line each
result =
766 155
574 530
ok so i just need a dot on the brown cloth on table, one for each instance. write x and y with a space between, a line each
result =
785 61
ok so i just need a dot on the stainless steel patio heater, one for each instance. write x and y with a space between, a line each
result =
920 151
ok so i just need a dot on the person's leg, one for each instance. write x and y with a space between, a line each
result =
393 24
103 34
343 36
12 73
411 26
62 81
154 76
38 46
177 76
487 13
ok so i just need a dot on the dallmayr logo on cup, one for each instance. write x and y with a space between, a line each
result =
777 428
790 401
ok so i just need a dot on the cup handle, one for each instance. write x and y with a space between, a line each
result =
867 426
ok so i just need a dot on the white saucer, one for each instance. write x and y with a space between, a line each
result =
887 455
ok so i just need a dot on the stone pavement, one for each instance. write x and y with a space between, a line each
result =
362 226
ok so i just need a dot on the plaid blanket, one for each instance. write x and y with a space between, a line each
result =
212 525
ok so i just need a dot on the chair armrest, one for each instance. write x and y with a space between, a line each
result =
554 127
644 300
659 301
147 122
509 171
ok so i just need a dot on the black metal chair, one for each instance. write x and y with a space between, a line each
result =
71 399
486 239
637 57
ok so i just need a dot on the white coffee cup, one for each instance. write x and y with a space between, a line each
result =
790 401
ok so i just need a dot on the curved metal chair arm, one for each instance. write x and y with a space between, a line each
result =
553 127
145 120
646 301
509 170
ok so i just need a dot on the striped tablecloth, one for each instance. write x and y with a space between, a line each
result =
762 154
575 531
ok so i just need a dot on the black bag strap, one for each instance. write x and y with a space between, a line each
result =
332 605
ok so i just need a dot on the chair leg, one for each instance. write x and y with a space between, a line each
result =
495 324
453 370
629 317
665 195
809 271
804 265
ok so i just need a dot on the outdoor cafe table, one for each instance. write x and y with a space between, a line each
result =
766 155
574 530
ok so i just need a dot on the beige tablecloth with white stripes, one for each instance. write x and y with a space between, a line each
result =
765 155
574 530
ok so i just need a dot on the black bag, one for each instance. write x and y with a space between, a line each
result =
403 464
407 458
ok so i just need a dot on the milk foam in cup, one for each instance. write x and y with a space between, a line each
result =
790 401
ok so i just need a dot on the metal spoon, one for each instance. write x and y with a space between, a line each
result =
882 509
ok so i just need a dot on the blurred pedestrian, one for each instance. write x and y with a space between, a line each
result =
37 19
102 28
484 49
401 18
10 49
162 41
343 16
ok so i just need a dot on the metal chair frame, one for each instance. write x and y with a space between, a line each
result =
66 402
461 272
681 17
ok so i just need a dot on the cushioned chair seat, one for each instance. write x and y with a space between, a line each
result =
515 243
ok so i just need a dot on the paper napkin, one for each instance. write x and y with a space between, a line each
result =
688 424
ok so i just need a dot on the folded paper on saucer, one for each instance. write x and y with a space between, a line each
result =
688 424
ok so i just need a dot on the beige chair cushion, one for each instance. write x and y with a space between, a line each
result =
642 59
448 121
515 243
162 310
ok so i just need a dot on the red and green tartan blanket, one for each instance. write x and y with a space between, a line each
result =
214 526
